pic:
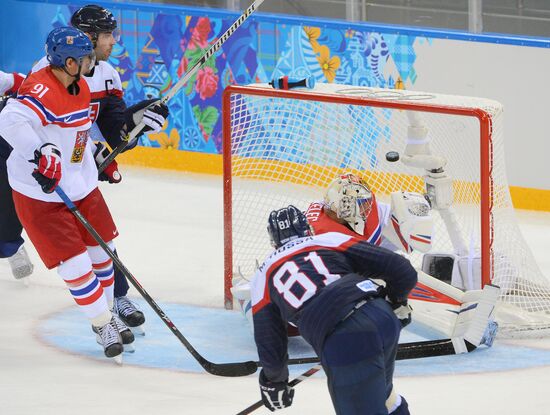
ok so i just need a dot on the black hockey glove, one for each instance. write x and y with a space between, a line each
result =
275 395
402 310
152 112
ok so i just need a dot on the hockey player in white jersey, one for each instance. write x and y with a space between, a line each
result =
48 127
112 120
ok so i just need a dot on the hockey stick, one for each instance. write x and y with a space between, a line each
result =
405 351
130 137
477 333
292 383
220 369
413 350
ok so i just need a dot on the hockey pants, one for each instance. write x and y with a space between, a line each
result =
359 357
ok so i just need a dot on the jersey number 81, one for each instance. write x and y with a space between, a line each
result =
285 285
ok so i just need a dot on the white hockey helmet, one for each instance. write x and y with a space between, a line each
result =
351 199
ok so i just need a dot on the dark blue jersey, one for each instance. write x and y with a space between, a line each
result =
313 283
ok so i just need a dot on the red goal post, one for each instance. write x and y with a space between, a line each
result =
282 147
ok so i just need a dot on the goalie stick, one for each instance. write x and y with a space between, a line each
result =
220 369
131 136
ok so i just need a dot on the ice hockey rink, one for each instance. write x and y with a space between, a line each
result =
171 240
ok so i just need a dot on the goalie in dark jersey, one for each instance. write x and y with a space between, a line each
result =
322 284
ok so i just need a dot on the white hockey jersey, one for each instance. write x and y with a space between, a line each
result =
45 112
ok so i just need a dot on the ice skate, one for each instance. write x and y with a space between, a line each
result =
20 263
127 311
126 336
109 337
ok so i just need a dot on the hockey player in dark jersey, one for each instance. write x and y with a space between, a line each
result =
11 241
322 284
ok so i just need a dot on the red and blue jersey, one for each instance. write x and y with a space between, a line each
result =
322 223
312 283
45 112
107 104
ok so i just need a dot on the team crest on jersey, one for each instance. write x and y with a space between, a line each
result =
80 146
94 111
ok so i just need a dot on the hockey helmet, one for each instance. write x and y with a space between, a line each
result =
95 19
287 224
63 43
351 199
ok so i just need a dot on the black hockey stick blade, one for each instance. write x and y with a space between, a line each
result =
406 351
430 348
231 369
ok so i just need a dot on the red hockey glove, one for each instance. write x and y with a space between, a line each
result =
275 395
111 173
48 173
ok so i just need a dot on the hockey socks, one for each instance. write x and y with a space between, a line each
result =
103 269
85 288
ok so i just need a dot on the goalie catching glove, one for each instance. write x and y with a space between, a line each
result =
275 395
111 173
152 112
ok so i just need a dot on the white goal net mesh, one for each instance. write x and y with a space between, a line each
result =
284 148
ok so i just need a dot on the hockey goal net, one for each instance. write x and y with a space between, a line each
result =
285 147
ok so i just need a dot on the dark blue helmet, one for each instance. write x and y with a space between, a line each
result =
67 42
287 224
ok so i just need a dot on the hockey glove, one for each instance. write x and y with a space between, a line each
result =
402 310
111 173
152 112
275 395
48 172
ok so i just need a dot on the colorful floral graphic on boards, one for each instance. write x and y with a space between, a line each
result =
158 48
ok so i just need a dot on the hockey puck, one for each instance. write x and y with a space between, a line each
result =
392 156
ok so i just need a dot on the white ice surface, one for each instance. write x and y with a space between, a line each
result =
171 239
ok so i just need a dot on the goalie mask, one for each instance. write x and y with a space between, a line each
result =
287 224
351 199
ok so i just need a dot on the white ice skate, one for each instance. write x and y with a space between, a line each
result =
128 312
109 337
20 263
